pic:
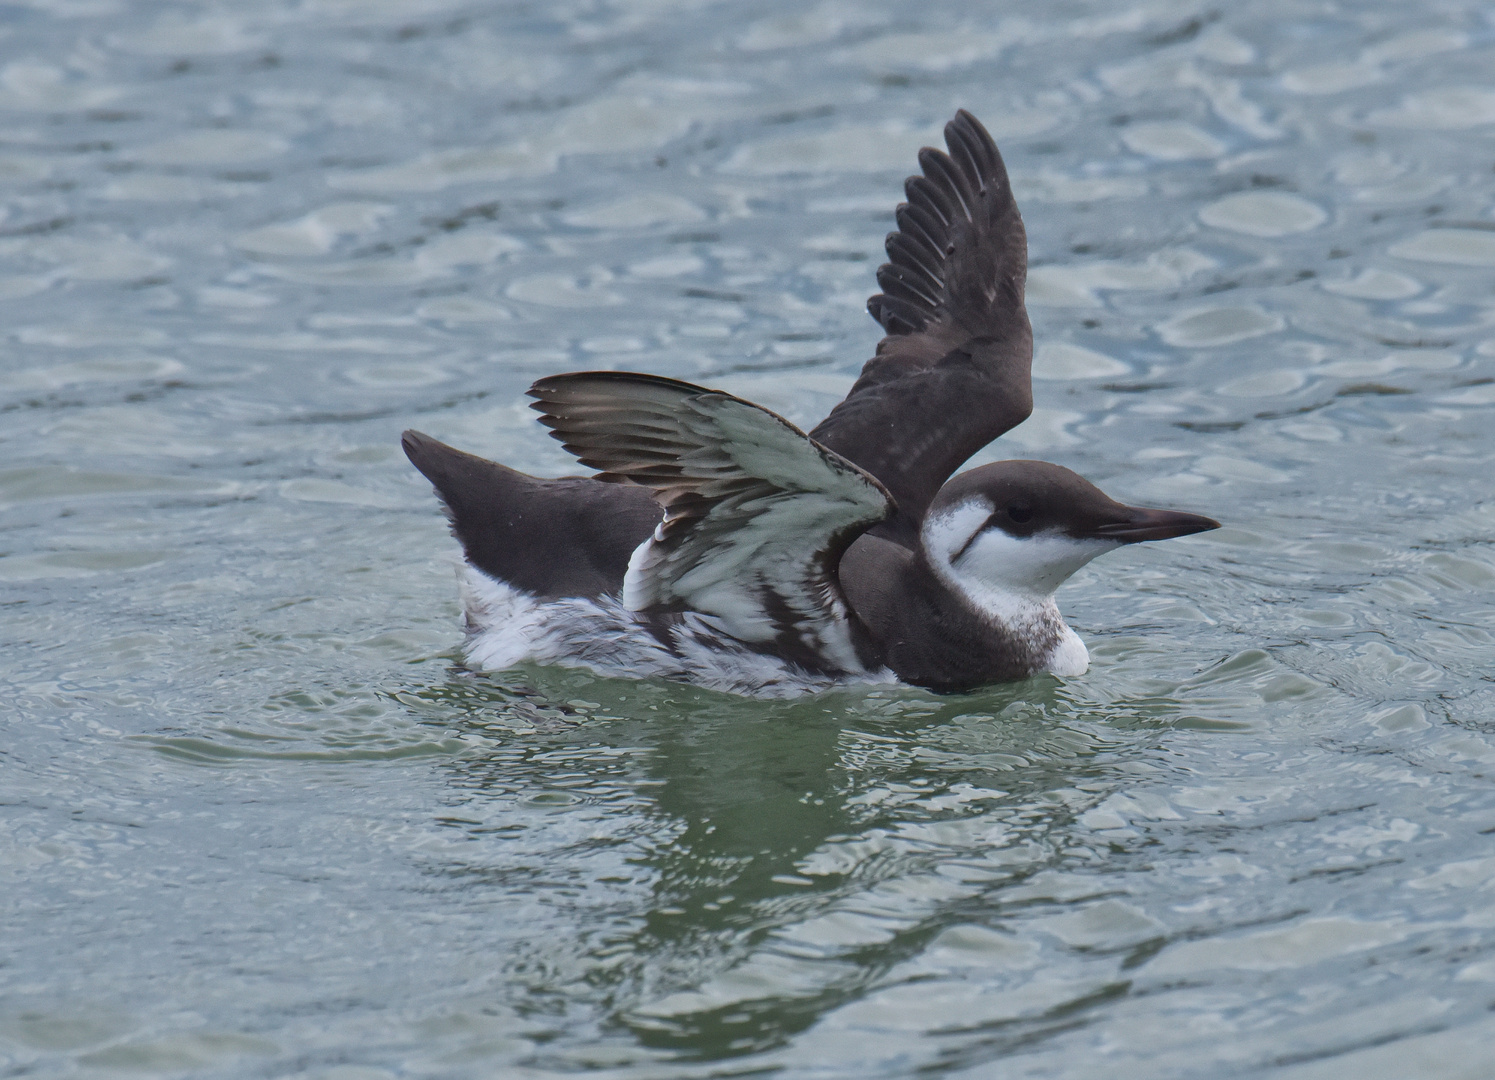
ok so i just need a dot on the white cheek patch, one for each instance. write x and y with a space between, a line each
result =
1036 564
1012 579
961 547
951 530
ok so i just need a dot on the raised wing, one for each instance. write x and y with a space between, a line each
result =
756 515
955 369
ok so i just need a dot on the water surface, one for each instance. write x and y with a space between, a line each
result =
255 819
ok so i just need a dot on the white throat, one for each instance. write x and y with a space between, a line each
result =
1011 579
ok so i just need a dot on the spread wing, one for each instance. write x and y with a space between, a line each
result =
756 515
955 369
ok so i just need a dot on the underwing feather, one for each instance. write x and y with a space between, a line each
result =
756 514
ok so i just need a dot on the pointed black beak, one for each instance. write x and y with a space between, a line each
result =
1143 524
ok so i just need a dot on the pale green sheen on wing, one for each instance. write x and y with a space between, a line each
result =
259 818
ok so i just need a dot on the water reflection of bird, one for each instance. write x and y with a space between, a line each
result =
784 562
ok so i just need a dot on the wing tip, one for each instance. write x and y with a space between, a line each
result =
950 187
964 122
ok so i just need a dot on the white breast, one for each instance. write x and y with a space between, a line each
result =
1070 657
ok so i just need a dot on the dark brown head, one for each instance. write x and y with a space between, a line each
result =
1026 526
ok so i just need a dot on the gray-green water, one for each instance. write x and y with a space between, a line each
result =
254 819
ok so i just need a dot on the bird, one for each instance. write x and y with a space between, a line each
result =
717 544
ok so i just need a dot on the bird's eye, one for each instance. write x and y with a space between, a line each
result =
1020 512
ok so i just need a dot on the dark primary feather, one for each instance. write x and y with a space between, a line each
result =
756 515
955 369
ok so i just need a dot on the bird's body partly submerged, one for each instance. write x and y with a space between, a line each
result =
720 545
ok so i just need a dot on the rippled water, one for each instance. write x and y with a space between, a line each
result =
256 821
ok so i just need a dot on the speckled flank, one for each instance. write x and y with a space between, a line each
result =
507 627
257 818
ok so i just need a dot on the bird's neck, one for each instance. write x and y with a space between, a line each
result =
997 579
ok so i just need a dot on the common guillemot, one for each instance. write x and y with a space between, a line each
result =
786 562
